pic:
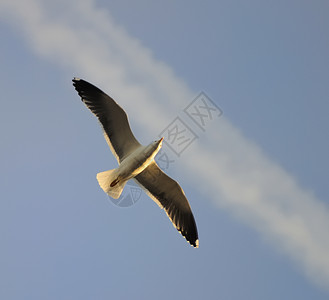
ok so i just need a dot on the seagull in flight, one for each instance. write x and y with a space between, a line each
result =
136 161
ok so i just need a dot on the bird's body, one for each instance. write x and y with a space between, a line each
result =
136 161
113 181
140 159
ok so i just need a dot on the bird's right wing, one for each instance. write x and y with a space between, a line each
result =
168 194
113 118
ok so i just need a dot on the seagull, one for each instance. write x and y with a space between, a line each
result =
136 162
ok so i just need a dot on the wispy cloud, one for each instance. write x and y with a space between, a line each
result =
241 178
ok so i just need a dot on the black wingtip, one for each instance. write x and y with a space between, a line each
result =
80 83
193 242
196 244
75 80
83 86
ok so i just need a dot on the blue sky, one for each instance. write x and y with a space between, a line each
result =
256 177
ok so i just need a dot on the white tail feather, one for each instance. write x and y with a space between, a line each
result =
106 178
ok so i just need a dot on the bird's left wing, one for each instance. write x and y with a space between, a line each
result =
168 194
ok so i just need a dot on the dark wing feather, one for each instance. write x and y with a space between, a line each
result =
168 194
112 117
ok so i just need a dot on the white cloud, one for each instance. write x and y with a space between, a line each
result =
242 179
